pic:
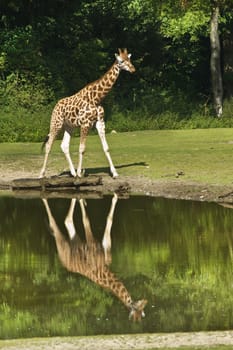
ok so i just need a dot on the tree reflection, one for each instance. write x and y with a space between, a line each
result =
177 254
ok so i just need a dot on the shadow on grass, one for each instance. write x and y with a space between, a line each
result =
91 171
106 170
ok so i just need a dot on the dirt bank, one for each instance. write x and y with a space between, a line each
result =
178 188
118 342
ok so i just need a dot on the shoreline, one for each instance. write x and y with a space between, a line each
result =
173 189
120 342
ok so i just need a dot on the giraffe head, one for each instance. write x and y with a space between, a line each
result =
123 60
137 310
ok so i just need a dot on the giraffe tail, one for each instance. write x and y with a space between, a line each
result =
44 143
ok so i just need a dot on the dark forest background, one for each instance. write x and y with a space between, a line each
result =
51 49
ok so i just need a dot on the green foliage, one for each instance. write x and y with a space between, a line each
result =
21 48
21 125
190 23
16 92
15 323
195 292
49 51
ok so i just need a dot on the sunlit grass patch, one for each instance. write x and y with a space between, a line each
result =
201 155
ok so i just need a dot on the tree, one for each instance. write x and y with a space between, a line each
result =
51 48
184 20
215 62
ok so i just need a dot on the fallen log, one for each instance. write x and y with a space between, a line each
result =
65 186
55 182
68 193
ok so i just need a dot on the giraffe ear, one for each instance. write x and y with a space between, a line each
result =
118 57
129 55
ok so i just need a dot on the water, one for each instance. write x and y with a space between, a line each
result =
176 254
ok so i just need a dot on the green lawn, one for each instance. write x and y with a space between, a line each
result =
204 155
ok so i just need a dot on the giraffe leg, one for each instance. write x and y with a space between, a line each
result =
106 242
63 246
86 223
65 146
82 146
48 146
69 222
100 126
52 223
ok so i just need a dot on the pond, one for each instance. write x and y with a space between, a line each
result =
177 255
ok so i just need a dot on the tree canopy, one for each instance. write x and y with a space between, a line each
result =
50 49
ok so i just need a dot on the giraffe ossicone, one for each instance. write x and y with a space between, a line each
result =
84 110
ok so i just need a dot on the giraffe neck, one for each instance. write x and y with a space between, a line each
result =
97 271
101 87
108 280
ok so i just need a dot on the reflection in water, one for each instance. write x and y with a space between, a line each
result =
176 254
90 258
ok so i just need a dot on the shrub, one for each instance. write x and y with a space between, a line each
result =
27 122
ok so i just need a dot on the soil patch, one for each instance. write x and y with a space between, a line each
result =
176 189
123 342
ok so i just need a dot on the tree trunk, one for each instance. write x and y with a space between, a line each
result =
215 62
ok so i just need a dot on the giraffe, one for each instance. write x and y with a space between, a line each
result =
84 110
90 258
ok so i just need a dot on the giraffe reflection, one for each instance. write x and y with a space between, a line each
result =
90 258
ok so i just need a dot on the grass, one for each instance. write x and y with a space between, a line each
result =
202 155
